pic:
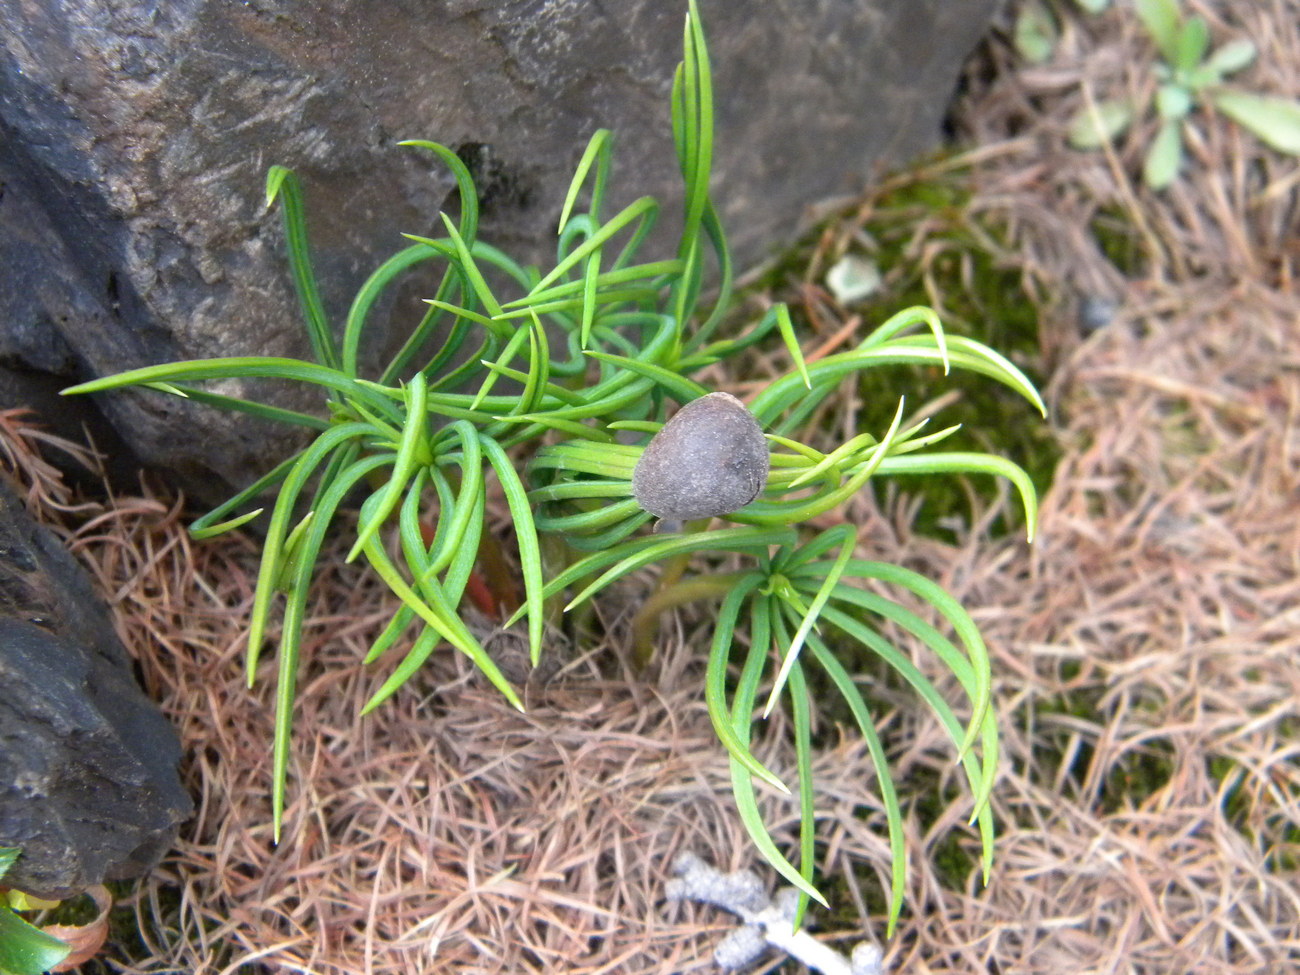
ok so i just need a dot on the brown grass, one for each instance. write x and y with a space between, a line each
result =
444 832
1146 651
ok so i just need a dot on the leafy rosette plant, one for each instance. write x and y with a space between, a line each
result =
1189 74
799 583
595 351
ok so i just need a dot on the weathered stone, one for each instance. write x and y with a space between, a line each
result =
88 783
136 136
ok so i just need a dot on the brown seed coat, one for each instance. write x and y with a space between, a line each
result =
710 459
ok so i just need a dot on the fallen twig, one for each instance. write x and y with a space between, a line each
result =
767 920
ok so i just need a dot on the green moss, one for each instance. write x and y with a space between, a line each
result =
933 249
1119 240
843 914
1137 775
954 855
1267 827
1129 780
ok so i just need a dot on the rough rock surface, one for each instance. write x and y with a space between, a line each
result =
135 138
88 783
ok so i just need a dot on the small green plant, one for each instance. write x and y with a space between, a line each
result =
1189 75
597 349
1036 29
24 948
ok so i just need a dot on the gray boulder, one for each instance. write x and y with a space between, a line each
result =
136 138
88 783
